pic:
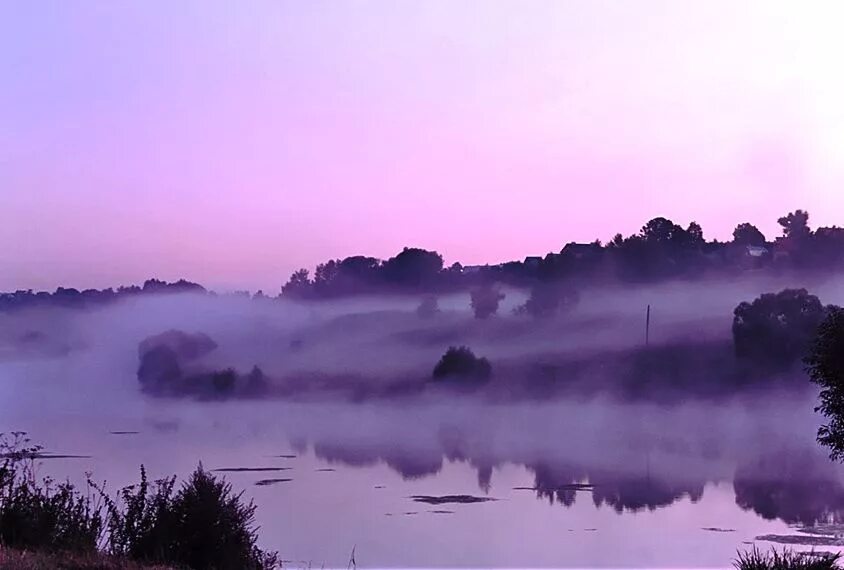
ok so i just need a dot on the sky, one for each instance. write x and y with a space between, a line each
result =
231 143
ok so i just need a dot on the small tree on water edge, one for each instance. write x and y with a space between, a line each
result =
825 366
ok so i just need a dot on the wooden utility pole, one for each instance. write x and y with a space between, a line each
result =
648 327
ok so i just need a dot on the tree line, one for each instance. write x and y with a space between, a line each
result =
661 250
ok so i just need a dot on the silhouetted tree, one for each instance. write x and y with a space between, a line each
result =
299 284
223 381
795 224
747 234
256 382
162 359
159 368
428 307
547 300
485 301
413 267
186 346
661 250
324 276
357 274
661 230
694 234
461 363
776 328
825 365
825 250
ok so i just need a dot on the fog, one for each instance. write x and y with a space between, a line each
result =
69 378
84 364
60 354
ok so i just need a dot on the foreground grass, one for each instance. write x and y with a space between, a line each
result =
786 559
200 525
23 560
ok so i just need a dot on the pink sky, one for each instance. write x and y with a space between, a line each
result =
231 143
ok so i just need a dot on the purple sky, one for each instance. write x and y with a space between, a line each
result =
232 142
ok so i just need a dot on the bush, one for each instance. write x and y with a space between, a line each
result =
485 301
825 365
202 526
776 328
461 363
755 559
47 517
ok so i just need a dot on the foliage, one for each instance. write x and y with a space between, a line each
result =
299 284
747 234
776 328
256 382
825 365
203 525
547 300
187 346
50 517
755 559
461 363
413 267
159 369
428 307
661 250
485 301
29 560
75 299
166 367
795 224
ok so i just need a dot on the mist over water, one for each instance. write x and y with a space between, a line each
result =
570 475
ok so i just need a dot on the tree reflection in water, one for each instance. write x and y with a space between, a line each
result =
795 485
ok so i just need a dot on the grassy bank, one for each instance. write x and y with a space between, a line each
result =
24 560
200 524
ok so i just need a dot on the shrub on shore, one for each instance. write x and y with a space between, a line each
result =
202 525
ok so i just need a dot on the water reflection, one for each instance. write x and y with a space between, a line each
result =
794 485
621 493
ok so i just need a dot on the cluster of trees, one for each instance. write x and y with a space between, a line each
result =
412 270
168 366
776 329
779 329
73 298
661 250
